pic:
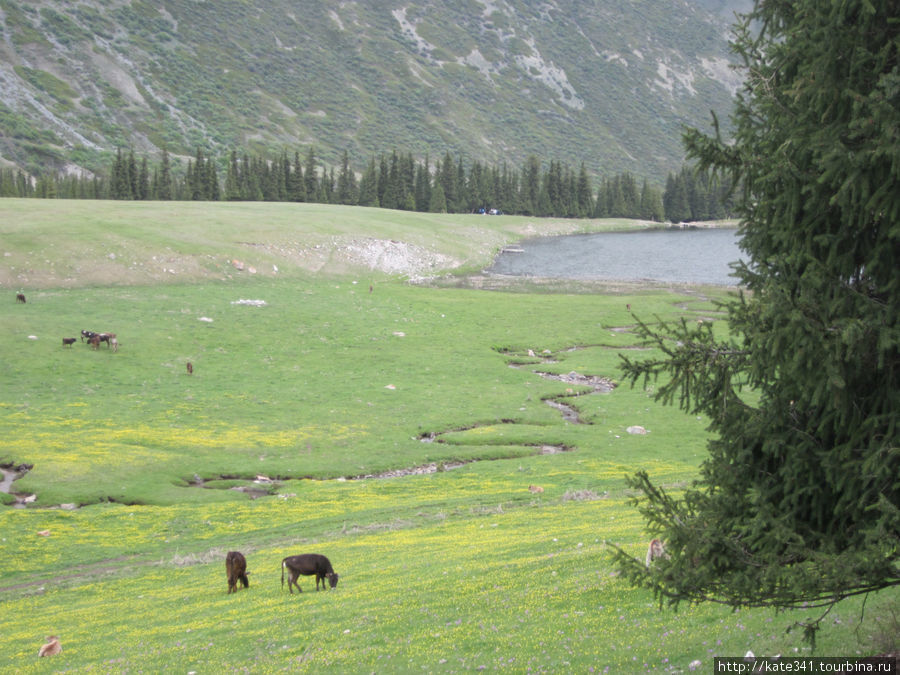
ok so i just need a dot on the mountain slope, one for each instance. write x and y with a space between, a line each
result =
609 83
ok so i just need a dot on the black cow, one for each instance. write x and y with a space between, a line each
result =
87 334
236 570
308 564
20 297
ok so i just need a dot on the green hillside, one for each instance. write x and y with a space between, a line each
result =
607 83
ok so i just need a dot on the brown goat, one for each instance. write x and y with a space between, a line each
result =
236 570
657 549
52 648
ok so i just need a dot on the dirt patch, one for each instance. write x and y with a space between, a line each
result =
597 383
394 257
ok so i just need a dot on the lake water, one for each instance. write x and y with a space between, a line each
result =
700 256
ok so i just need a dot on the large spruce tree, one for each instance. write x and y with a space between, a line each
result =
798 503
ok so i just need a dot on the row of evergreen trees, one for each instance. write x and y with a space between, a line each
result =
396 181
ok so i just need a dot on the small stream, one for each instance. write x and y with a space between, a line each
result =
7 476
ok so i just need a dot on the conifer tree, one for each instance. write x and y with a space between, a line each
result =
798 503
422 186
438 203
143 180
346 182
296 185
531 186
368 185
446 177
164 183
583 199
310 176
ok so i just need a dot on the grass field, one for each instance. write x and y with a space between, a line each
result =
397 430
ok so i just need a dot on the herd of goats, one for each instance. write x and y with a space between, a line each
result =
93 338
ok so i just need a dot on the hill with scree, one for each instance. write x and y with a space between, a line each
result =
607 83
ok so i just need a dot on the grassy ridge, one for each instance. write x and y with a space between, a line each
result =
50 243
447 571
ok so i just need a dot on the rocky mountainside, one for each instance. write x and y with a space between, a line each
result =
606 82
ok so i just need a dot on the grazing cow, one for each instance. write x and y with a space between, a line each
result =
20 297
236 570
87 334
106 337
52 648
657 549
68 342
94 342
308 564
190 368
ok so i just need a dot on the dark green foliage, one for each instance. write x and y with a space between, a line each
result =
398 182
798 503
693 195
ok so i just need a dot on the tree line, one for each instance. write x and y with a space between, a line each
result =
395 181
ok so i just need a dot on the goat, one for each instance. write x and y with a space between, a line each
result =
657 549
68 342
236 570
20 297
52 647
308 564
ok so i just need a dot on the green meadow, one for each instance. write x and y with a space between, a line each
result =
353 394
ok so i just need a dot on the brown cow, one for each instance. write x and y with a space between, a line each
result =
308 564
94 342
52 648
20 297
190 368
236 570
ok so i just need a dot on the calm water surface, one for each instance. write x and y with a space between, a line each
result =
678 256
